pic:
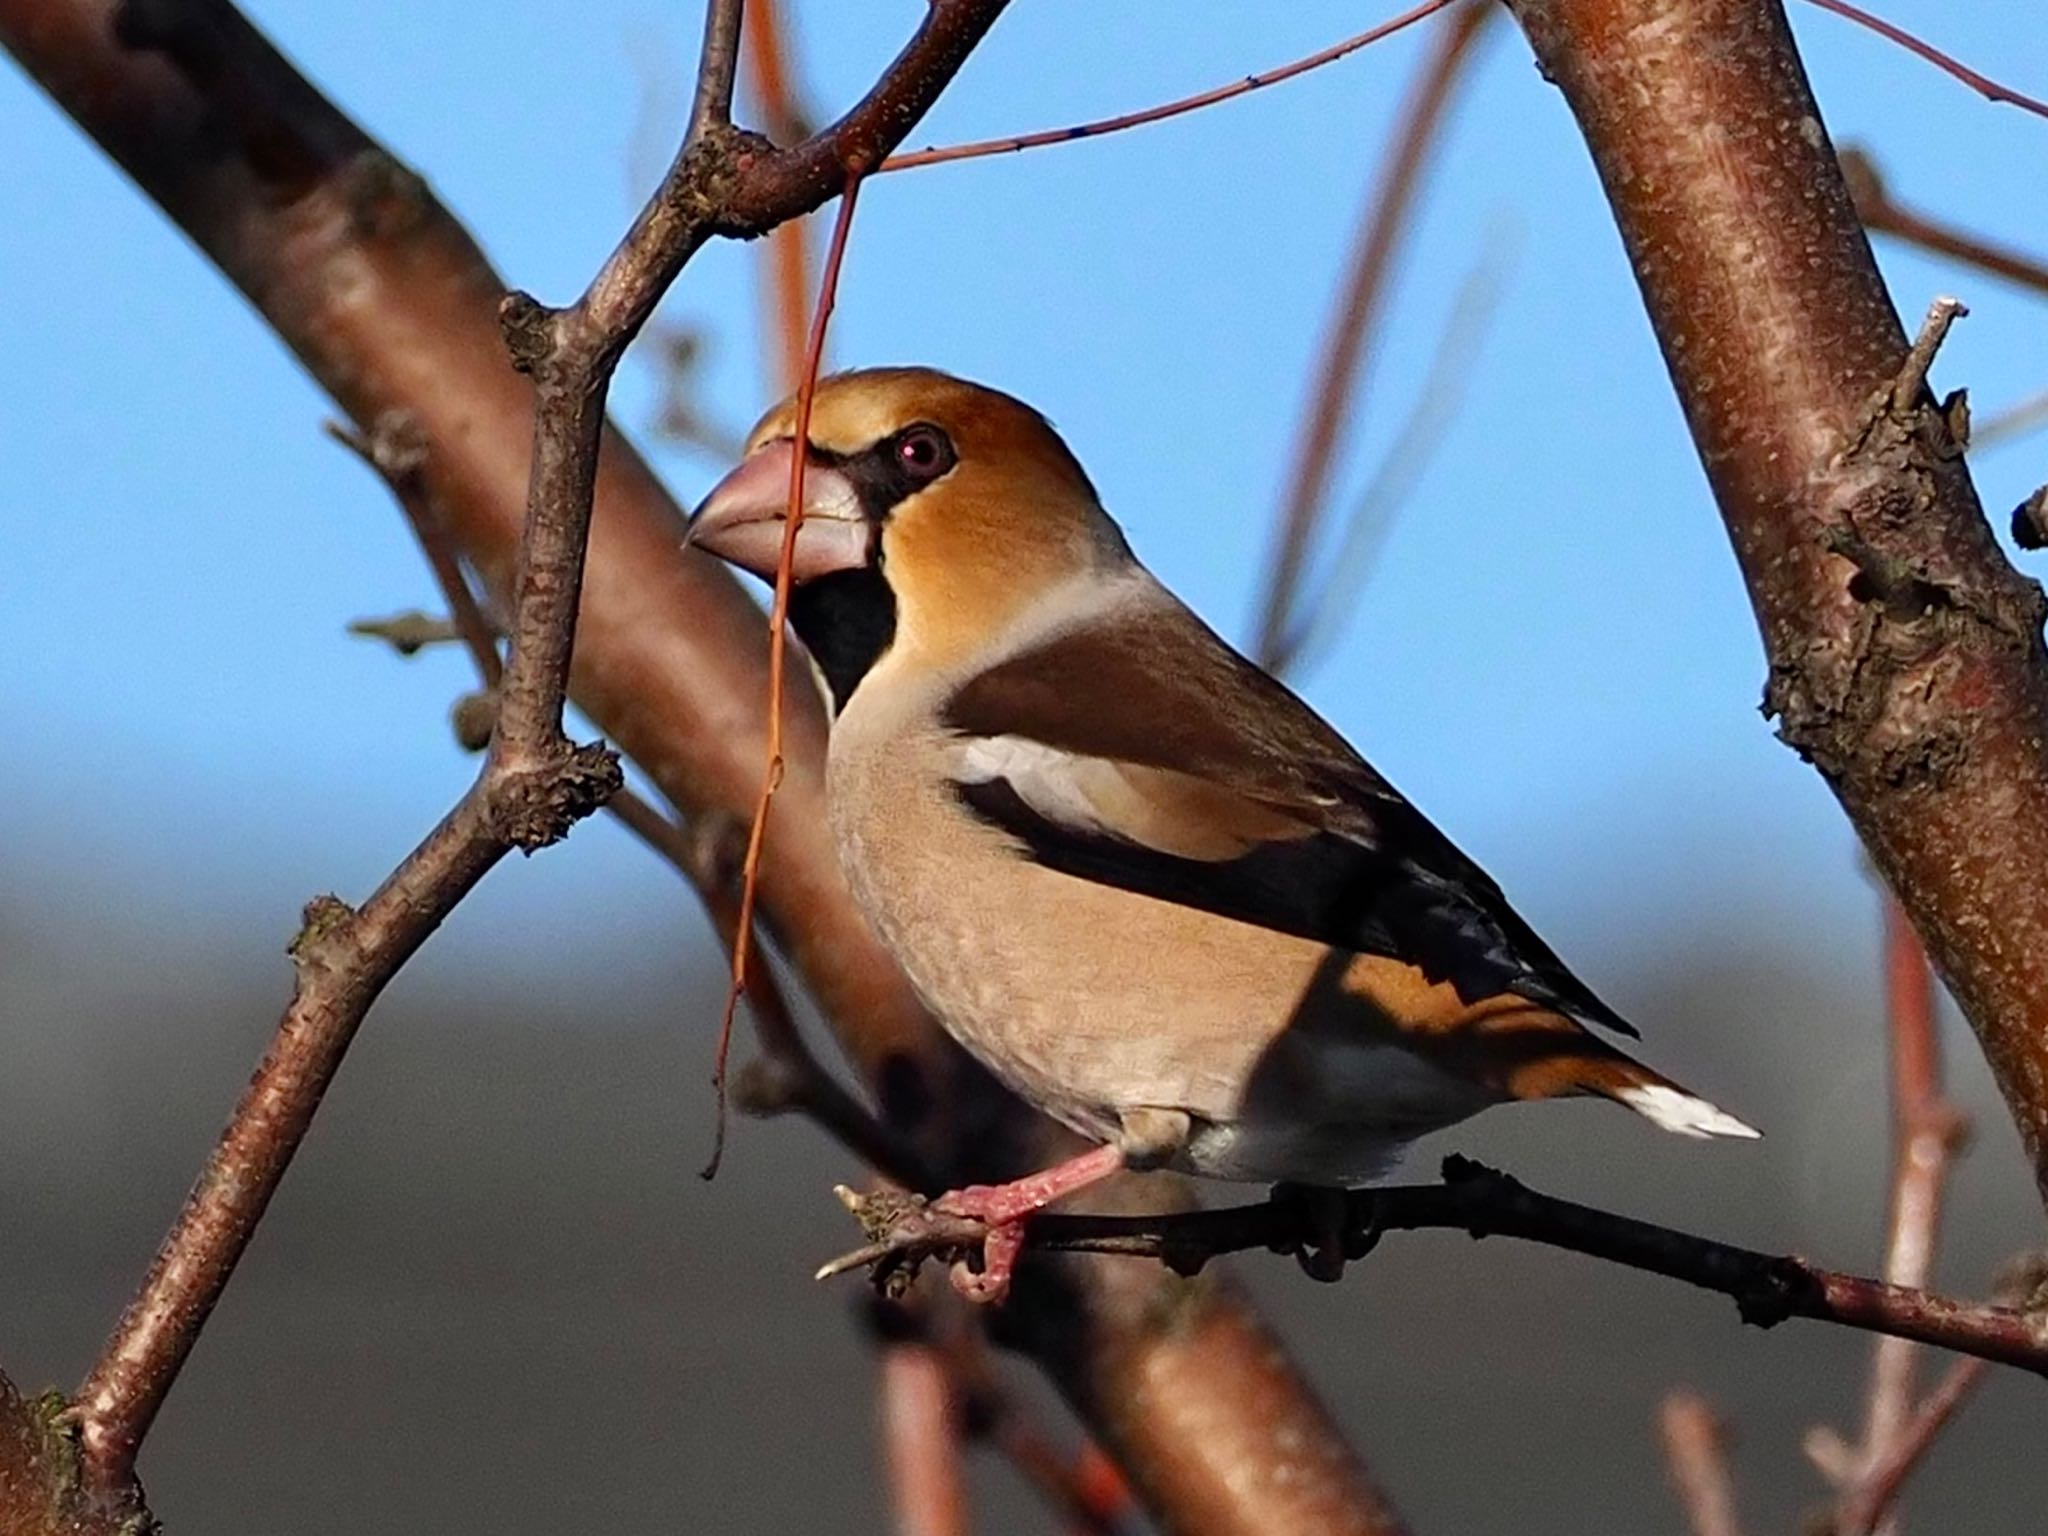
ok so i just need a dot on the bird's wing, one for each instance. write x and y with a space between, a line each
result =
1138 750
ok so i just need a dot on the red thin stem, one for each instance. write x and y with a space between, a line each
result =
778 618
1138 119
921 1441
1984 85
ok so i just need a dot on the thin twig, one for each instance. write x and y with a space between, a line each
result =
1883 214
1208 98
395 448
785 255
1433 406
1336 379
789 1076
719 67
1926 1129
2009 425
778 622
1766 1288
1697 1456
1984 85
1870 1497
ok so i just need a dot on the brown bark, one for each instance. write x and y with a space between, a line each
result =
392 307
1905 655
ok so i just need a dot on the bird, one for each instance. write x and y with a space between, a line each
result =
1153 891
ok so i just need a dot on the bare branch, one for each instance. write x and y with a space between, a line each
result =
1906 660
390 305
1333 386
1926 1131
921 1440
1766 1288
1883 215
1209 98
1984 85
396 448
786 256
718 64
1697 1456
1870 1498
788 1077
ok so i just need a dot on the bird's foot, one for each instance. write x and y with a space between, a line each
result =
1004 1209
1001 1246
1330 1237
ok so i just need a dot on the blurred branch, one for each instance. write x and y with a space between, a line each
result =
1766 1288
1926 1132
785 257
1883 215
1984 85
1869 1496
391 305
921 1435
1209 98
1432 408
1905 653
407 633
788 1076
1086 1489
1696 1453
773 761
1336 381
2016 420
395 448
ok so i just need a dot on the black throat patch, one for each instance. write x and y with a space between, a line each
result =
846 621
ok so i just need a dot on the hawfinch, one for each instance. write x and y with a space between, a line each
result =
1136 876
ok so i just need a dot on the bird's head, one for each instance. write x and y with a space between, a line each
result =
936 515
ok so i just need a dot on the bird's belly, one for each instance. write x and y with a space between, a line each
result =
1087 1001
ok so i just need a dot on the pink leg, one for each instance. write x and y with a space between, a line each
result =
1005 1208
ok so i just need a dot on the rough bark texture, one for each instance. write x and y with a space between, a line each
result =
1905 655
392 307
41 1491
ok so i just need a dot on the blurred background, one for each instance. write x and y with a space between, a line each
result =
493 1294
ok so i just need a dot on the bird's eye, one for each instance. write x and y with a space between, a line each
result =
924 452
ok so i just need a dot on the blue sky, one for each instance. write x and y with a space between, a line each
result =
1554 655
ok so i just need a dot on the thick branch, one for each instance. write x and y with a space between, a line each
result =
391 306
1905 654
1766 1288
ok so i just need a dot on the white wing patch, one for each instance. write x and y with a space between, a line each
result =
1057 785
1172 813
1676 1110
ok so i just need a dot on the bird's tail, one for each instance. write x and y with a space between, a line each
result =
1592 1066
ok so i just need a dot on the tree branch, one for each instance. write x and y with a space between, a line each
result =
1870 1494
1697 1455
390 304
1905 654
1334 386
1766 1288
1884 215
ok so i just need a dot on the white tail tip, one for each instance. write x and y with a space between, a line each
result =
1676 1110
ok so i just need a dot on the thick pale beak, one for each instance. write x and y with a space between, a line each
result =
742 519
